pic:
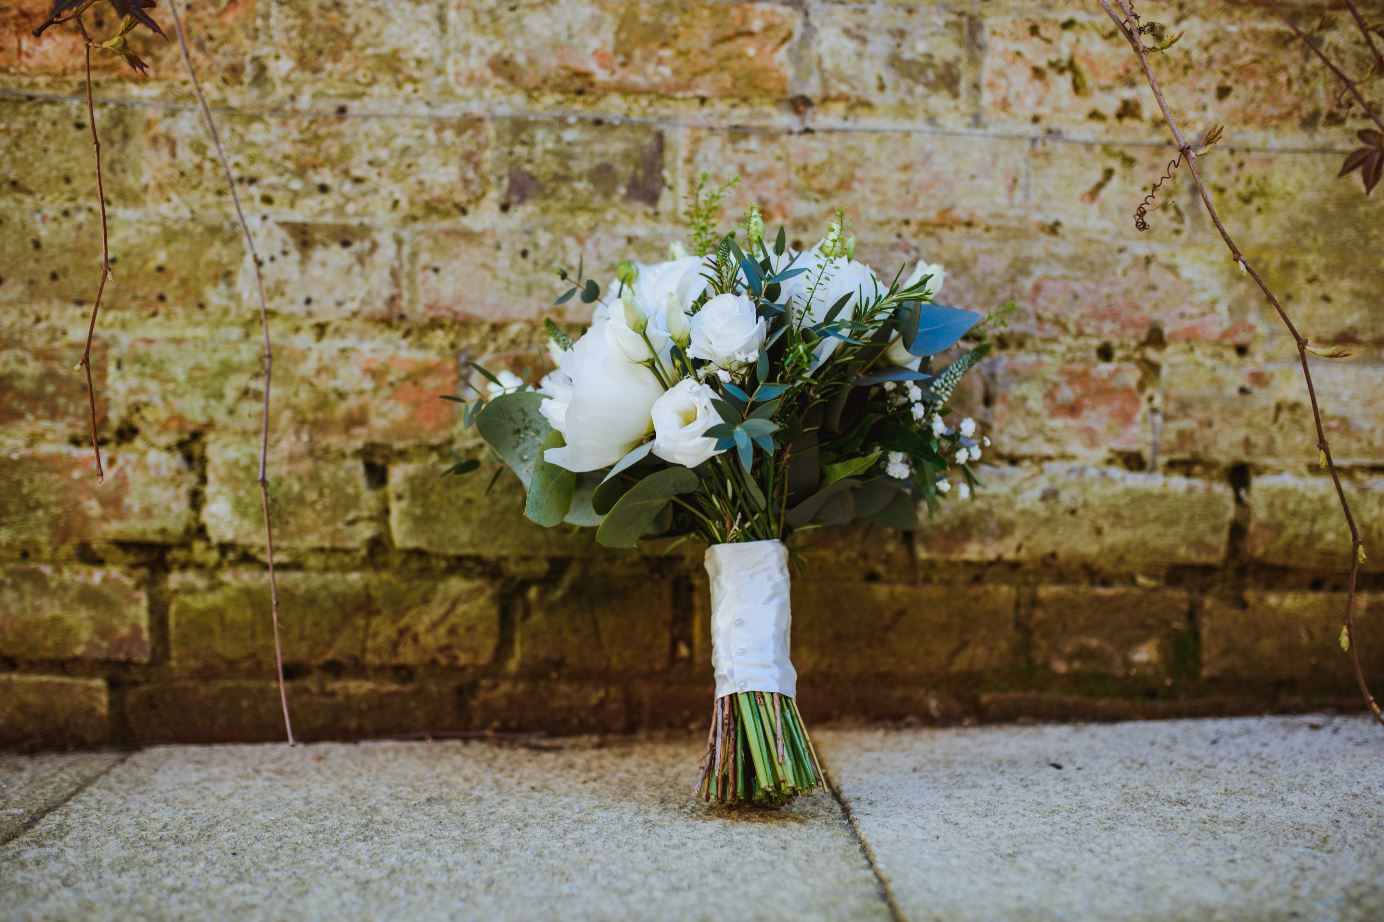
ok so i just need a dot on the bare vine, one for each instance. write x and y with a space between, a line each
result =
85 363
263 476
1127 21
1369 159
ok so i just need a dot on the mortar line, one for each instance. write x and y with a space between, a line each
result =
729 125
886 893
42 815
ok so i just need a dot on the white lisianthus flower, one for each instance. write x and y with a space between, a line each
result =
934 285
725 330
681 417
509 382
629 321
680 277
557 387
608 409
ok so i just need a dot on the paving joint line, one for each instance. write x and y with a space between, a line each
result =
42 815
886 893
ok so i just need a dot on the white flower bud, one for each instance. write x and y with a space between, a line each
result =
967 428
963 491
635 318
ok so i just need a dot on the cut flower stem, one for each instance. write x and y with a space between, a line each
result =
757 752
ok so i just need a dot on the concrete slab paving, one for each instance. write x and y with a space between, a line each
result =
32 785
429 830
1265 818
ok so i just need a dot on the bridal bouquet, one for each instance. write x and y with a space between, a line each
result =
742 394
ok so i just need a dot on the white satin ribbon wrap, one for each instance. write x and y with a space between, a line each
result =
750 618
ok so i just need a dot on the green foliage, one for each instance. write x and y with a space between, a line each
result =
635 513
550 487
513 426
704 211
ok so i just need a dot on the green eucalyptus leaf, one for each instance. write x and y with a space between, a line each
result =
636 511
632 457
583 512
550 486
513 426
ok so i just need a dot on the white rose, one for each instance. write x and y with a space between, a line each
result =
681 417
727 329
607 407
934 285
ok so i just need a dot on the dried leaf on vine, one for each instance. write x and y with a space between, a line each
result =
1213 137
135 9
1369 160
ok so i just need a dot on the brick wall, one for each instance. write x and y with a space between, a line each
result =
1154 537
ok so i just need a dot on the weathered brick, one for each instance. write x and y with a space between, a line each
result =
1294 202
355 48
552 705
250 711
45 397
901 62
1071 71
1331 293
39 711
1120 632
737 50
922 632
1291 637
324 166
320 496
455 515
340 390
56 165
924 181
1297 522
185 265
1260 415
510 275
1116 520
49 613
222 624
50 496
1093 189
599 619
562 167
1048 408
327 270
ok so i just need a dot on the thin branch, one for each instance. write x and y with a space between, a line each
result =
1368 35
1341 75
1128 24
85 363
263 478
